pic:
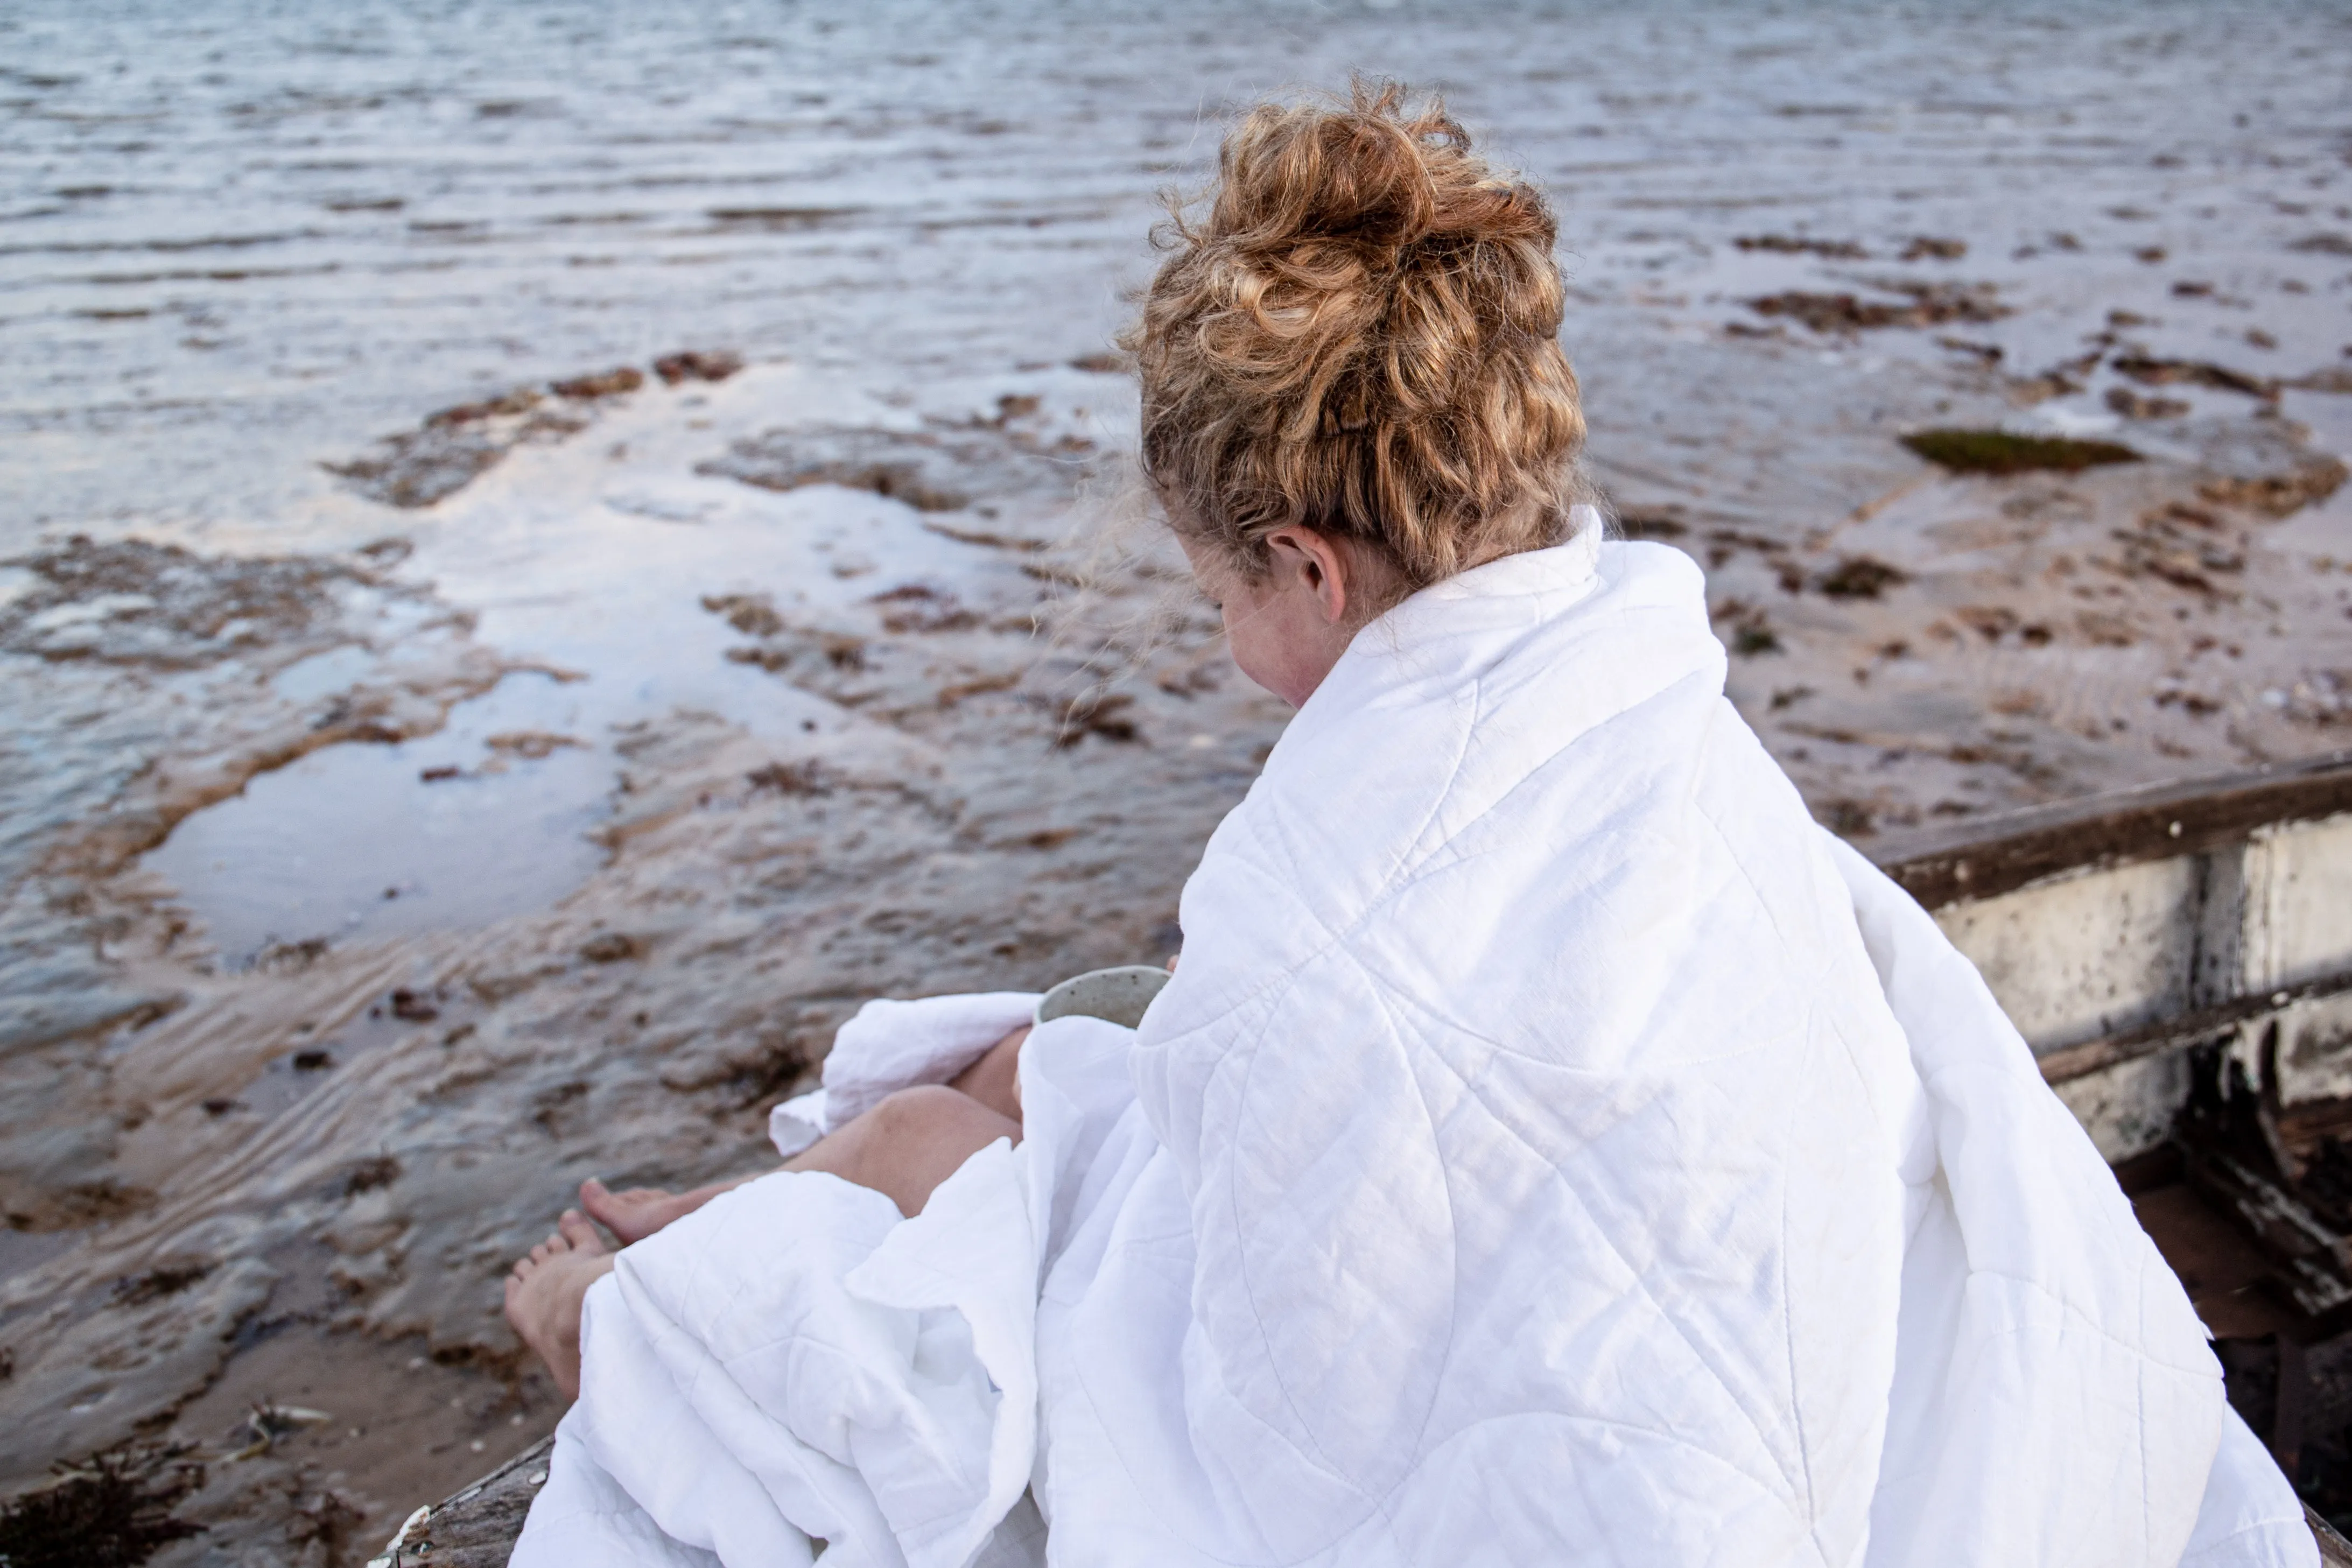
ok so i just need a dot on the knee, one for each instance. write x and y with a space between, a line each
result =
910 1112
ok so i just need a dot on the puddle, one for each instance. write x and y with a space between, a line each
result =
23 1249
354 842
336 670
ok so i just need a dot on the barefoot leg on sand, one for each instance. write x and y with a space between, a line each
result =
546 1288
635 1213
903 1148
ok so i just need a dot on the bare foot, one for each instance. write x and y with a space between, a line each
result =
544 1293
636 1214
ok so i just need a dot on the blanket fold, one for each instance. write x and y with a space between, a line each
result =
1552 1149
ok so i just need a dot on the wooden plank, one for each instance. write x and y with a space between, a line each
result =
2184 1030
477 1528
2335 1552
2001 853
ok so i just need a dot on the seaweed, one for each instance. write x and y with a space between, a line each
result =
113 1511
2148 371
1794 245
2000 452
908 468
1861 577
1928 305
135 602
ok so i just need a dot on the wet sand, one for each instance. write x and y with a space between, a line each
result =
439 769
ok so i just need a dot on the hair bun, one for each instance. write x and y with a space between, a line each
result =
1361 335
1370 175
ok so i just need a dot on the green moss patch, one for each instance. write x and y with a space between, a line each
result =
1998 452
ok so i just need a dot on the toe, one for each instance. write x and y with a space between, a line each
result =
581 1234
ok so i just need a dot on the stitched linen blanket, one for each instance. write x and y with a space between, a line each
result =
1553 1149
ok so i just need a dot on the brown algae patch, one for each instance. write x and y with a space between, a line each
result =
457 445
2002 451
1923 305
133 602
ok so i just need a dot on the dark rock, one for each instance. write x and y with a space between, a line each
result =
697 365
614 382
1860 577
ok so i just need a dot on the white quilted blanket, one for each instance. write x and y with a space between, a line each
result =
1553 1149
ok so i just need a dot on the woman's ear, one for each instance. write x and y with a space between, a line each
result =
1317 563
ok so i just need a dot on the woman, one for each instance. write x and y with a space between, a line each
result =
1553 1148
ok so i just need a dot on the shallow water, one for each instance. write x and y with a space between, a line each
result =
344 845
733 752
237 238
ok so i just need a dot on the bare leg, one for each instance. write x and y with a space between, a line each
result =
995 1079
636 1212
546 1288
908 1145
903 1148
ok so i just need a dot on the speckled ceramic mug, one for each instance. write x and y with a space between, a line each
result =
1118 995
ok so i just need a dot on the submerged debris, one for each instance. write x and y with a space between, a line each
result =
1099 713
1848 819
2134 405
164 1280
1860 577
1929 246
532 744
697 365
132 601
2000 452
1792 244
909 468
450 449
2181 544
1648 526
2315 478
2155 372
1751 629
614 382
1929 304
790 779
917 607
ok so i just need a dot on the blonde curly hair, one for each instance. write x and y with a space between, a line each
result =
1361 335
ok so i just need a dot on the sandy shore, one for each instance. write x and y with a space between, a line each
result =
406 814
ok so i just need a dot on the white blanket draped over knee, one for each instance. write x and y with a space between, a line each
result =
1553 1148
